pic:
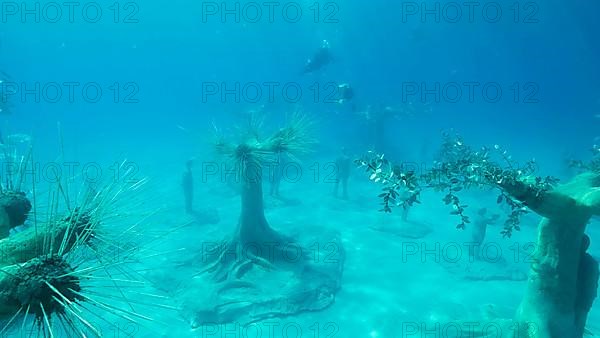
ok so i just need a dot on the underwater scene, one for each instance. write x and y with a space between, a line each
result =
314 169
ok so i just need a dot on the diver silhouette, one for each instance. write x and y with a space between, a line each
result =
320 59
346 93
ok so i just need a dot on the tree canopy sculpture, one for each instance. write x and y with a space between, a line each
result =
458 168
248 158
58 276
563 278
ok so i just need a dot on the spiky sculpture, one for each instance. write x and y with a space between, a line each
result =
52 238
60 275
14 204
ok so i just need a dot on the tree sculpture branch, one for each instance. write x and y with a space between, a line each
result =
459 168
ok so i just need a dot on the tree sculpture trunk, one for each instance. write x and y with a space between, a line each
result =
28 244
549 308
259 273
253 230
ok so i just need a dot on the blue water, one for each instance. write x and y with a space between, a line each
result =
156 62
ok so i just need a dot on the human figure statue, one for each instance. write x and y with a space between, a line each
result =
320 59
343 165
277 174
480 226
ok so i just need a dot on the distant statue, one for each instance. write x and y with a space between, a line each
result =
203 215
277 174
480 225
343 164
187 184
587 286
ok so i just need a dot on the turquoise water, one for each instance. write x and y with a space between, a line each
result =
145 82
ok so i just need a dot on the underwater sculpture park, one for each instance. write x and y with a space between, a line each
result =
368 169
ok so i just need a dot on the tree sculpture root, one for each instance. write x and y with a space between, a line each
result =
242 283
225 268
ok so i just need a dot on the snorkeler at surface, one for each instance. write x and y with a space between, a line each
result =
321 59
